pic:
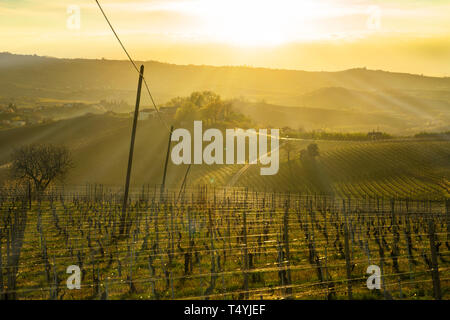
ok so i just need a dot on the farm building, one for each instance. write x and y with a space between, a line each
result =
146 114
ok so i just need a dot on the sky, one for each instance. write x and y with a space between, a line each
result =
316 35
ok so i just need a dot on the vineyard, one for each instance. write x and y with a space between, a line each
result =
228 173
409 169
221 243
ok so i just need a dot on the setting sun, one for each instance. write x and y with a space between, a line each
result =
257 22
295 34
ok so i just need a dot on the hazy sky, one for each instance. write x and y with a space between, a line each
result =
397 35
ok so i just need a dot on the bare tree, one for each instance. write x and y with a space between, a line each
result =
41 164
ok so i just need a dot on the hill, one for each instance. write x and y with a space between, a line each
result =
308 118
422 103
401 168
100 144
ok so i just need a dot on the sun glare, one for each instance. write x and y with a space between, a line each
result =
258 22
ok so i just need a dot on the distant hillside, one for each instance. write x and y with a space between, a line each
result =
343 119
414 168
364 98
390 101
82 78
100 146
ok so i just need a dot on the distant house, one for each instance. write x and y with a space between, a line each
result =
145 114
168 110
375 135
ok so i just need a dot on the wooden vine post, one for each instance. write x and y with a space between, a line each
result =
447 211
286 246
434 260
347 253
246 266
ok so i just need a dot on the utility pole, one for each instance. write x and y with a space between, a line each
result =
183 185
123 219
163 185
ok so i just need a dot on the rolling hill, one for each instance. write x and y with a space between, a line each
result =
100 144
351 100
394 101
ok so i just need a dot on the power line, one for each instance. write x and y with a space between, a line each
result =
133 63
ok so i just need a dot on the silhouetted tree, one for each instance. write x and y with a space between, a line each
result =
41 164
206 106
313 150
